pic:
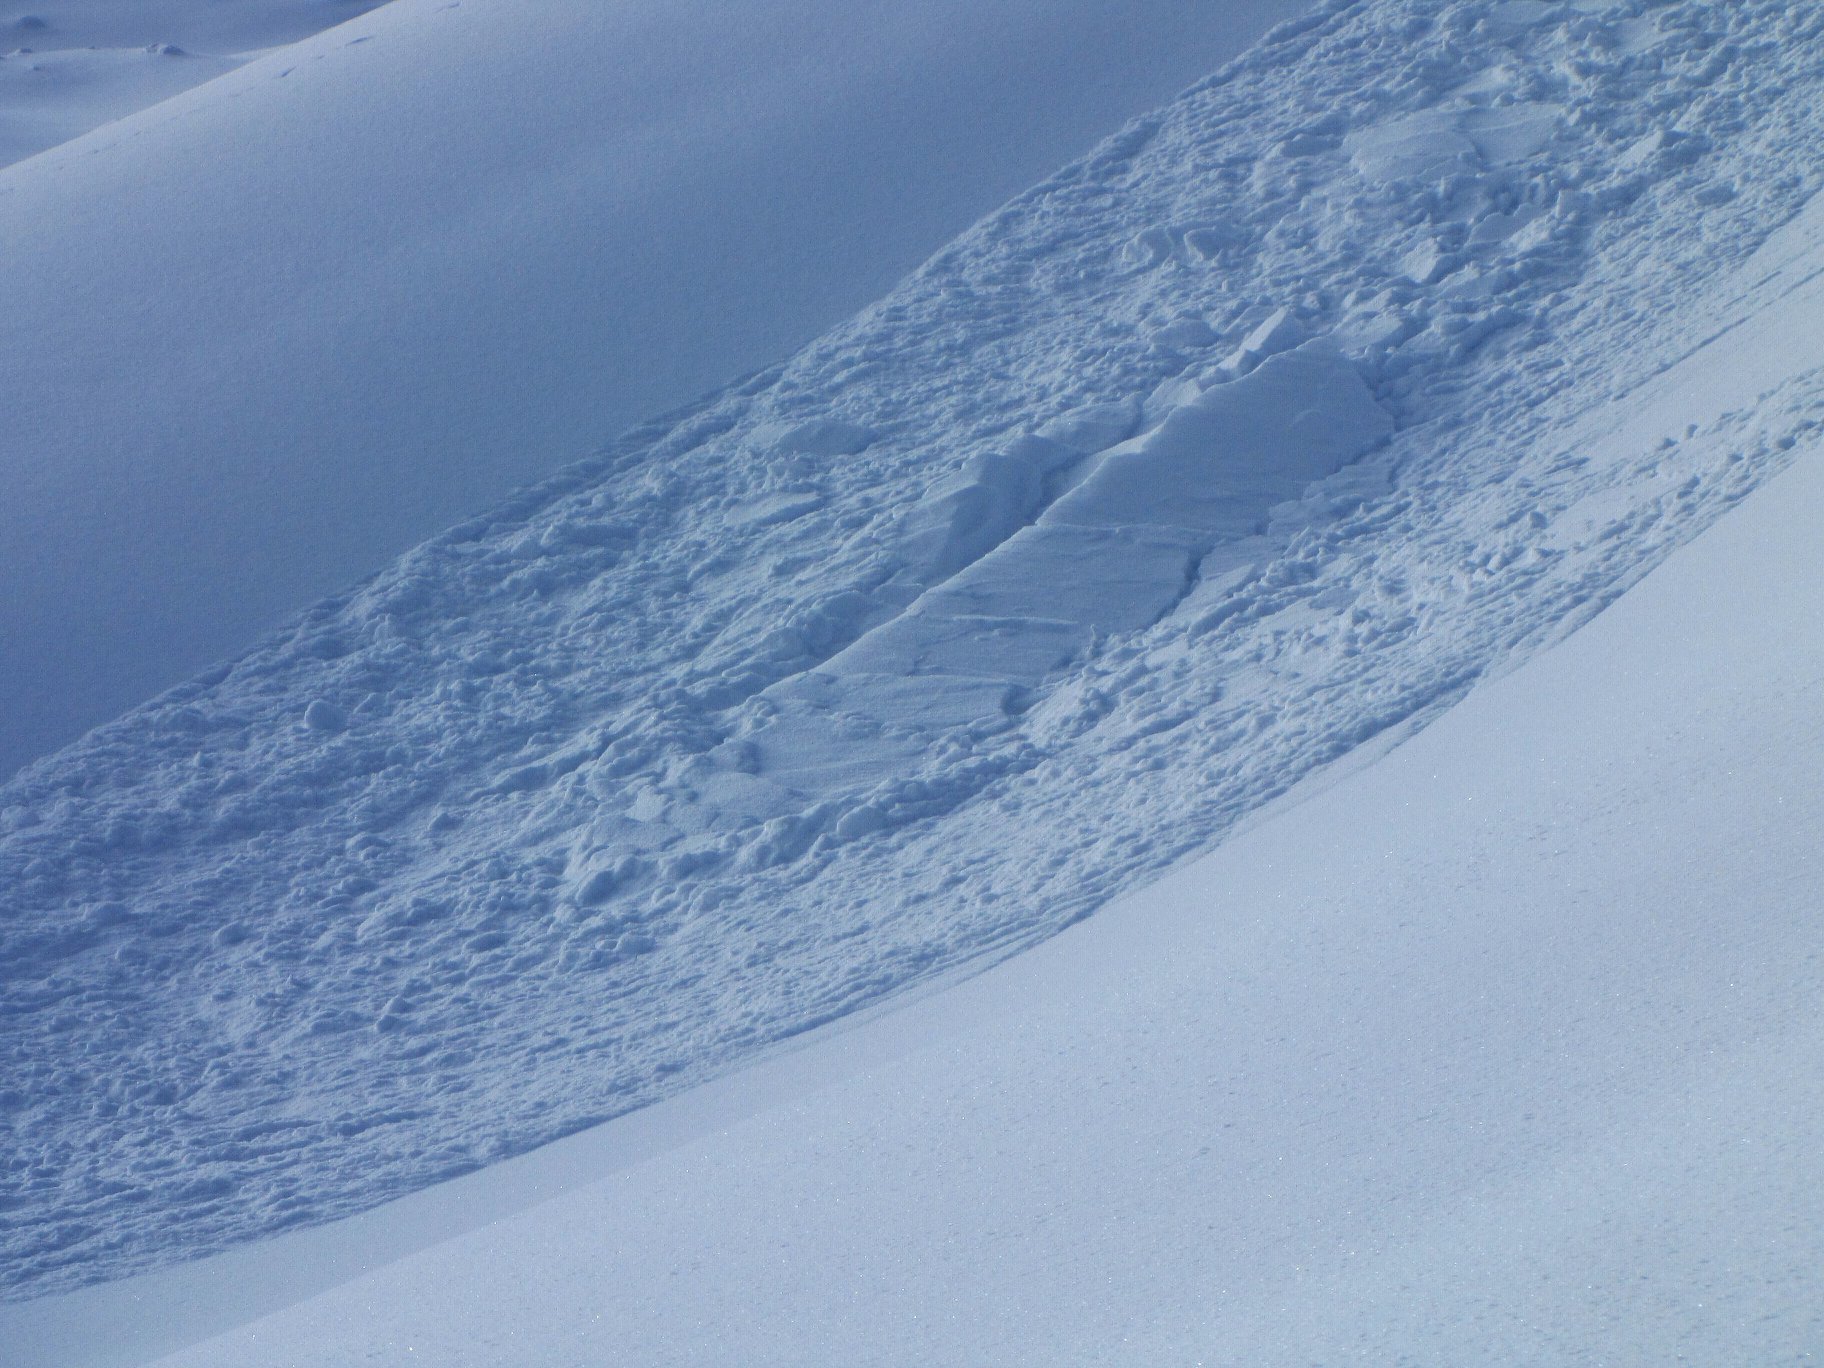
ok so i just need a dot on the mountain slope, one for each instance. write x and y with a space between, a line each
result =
77 64
380 278
1355 375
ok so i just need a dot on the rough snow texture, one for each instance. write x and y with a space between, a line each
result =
898 657
1503 1049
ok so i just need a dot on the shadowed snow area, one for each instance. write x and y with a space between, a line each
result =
263 337
1368 367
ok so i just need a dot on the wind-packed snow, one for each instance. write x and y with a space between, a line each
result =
1366 368
1501 1050
262 338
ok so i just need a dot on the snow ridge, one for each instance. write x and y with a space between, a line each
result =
1266 430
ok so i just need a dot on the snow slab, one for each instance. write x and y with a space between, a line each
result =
378 278
1501 1049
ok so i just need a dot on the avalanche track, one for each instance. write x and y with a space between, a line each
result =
1395 350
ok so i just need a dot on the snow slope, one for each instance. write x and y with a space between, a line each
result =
72 65
893 660
376 280
1501 1050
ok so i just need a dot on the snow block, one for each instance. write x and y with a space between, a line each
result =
1218 463
969 515
819 437
1021 650
1113 579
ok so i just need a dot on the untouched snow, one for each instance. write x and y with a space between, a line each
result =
891 660
1502 1050
67 66
224 26
375 280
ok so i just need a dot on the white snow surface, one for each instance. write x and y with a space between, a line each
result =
1503 1049
263 337
897 658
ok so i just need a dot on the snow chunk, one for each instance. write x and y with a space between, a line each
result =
819 437
1093 427
1279 331
1185 332
1218 463
1436 142
1422 146
322 716
916 704
967 516
1021 650
1108 578
1426 263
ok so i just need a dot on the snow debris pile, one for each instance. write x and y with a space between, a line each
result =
1370 365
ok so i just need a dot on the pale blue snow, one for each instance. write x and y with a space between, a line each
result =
1266 430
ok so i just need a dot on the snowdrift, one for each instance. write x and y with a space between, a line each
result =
1251 441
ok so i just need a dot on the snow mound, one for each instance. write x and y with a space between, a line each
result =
1197 467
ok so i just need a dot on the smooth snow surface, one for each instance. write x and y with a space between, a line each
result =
1357 374
265 336
67 66
1503 1050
